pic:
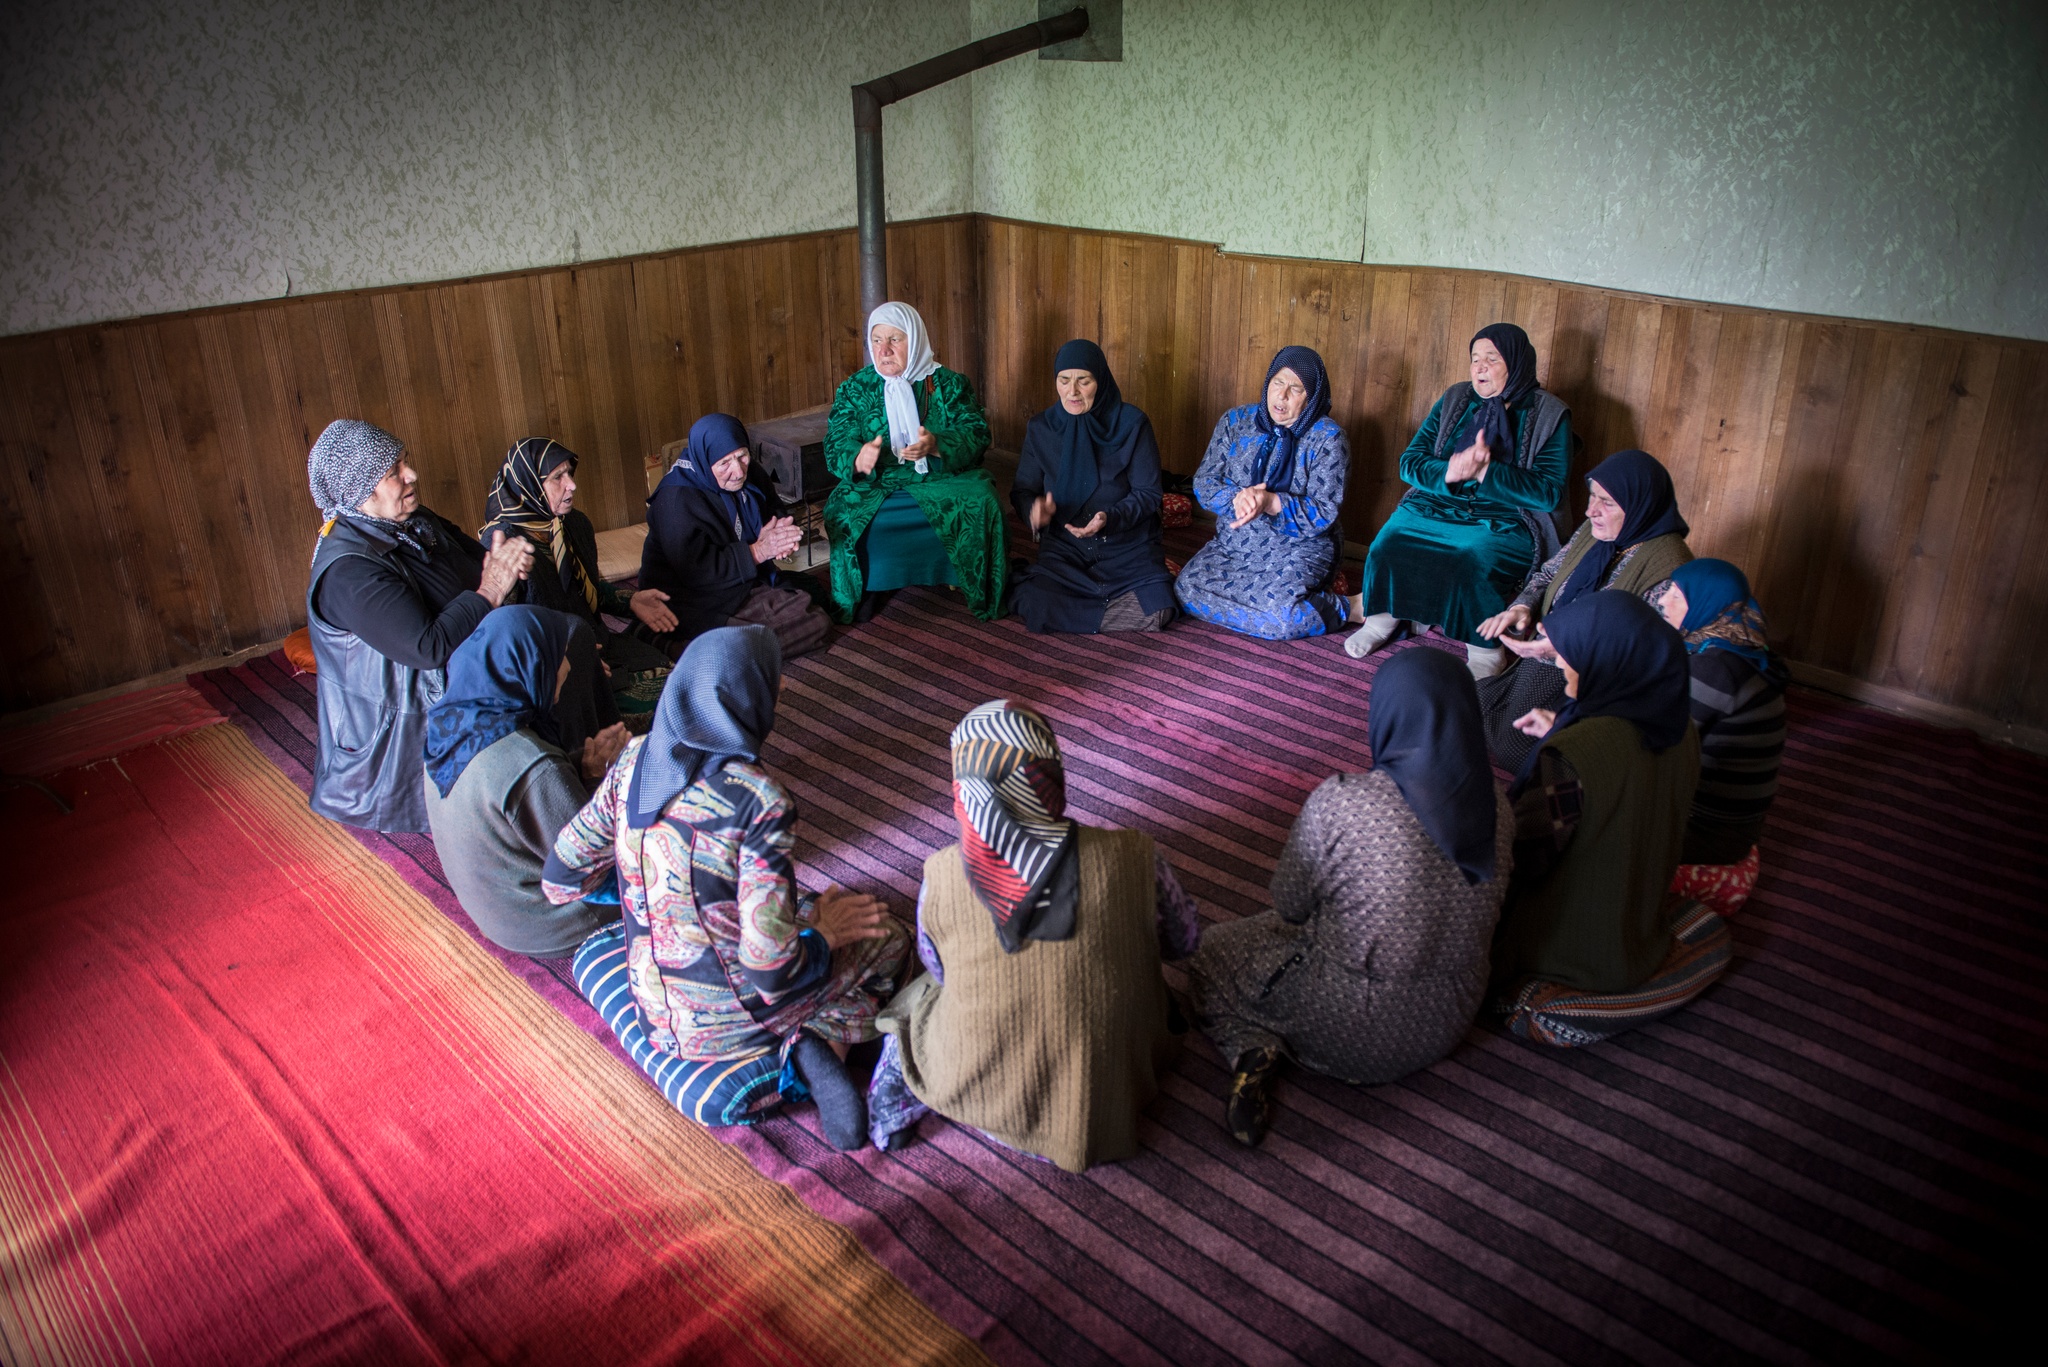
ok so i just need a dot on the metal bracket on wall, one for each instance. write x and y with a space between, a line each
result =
1104 40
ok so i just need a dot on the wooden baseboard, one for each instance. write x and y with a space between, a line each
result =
30 716
2029 738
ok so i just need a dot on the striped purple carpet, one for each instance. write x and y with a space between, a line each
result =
1835 1155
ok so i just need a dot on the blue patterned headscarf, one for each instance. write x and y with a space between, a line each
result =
1630 664
1720 611
713 437
718 704
1639 482
1492 415
1276 470
500 679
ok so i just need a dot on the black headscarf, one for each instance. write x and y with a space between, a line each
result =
500 679
713 437
718 704
1427 734
1101 437
518 506
1492 414
1642 486
1631 664
1276 470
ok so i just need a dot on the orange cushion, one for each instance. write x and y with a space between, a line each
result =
298 648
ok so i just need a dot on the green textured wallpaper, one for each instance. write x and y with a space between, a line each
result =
1869 159
1851 157
183 153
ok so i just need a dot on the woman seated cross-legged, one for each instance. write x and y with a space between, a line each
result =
1042 1019
913 505
1088 488
1373 961
395 589
534 499
1590 939
714 533
1632 539
1274 477
1487 470
499 787
1738 704
727 983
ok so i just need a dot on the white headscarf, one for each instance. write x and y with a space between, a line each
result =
898 401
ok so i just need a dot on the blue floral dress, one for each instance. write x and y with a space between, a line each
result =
1269 578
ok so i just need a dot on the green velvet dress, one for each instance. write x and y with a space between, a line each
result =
955 500
1452 556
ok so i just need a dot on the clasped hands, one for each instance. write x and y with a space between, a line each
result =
871 454
1471 463
1510 628
1257 501
843 917
505 564
1042 511
779 536
601 749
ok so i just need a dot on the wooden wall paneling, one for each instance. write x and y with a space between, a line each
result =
1803 528
30 666
280 503
1681 384
199 487
253 473
1737 459
1924 636
2005 594
52 517
1187 425
618 483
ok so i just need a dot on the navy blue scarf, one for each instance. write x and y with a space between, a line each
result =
1721 613
1642 486
1631 664
713 437
500 679
1492 414
1276 469
718 704
1426 733
1092 441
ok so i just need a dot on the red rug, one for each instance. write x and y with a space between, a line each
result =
103 729
260 1102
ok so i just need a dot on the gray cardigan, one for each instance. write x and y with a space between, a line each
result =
493 832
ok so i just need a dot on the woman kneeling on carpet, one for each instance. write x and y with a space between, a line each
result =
913 505
1632 539
1738 704
1087 486
500 789
1274 476
1601 806
714 533
1042 1018
395 589
1373 961
726 982
534 499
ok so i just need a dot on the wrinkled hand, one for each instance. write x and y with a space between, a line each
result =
1515 619
1536 722
1470 463
651 607
1041 513
864 463
844 917
779 536
1091 526
924 446
603 748
1256 501
1537 647
505 564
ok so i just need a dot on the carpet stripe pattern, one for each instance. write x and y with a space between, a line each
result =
1824 1157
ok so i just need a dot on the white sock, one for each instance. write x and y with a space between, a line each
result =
1377 631
1485 661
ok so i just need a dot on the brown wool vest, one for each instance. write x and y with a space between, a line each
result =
1056 1048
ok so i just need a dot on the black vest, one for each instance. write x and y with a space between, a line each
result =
371 766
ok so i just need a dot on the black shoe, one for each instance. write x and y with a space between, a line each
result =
842 1107
1248 1111
870 604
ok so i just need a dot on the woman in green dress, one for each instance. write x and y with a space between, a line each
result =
1488 471
913 505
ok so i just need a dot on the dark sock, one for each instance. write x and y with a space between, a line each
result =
842 1109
